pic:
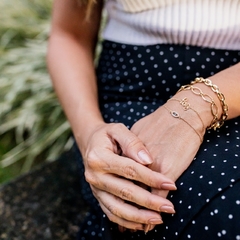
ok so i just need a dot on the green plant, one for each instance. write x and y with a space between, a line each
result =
32 124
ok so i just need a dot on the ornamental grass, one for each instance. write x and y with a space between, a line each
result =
33 127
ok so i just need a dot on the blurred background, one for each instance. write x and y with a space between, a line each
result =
33 128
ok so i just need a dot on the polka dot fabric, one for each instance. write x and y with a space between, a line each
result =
135 80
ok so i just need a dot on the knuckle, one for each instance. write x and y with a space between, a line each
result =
130 172
117 127
111 217
151 180
90 178
126 194
92 160
113 211
132 142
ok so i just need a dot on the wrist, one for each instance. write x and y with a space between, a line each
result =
83 129
198 113
209 94
182 109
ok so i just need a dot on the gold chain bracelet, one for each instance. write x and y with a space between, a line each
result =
220 96
175 114
214 109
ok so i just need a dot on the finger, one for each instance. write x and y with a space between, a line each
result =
130 144
121 228
127 190
125 214
122 222
160 193
110 163
129 169
148 227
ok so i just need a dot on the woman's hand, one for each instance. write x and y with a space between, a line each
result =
112 175
172 142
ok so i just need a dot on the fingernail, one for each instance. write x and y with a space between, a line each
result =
167 209
155 221
152 227
168 186
146 228
144 157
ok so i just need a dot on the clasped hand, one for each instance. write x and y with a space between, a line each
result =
131 184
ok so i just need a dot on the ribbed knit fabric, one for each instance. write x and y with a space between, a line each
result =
208 23
141 5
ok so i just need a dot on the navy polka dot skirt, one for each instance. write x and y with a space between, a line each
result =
135 80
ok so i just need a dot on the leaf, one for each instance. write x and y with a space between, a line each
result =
29 109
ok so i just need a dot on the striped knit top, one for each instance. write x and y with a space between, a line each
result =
208 23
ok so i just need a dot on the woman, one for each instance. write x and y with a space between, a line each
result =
139 120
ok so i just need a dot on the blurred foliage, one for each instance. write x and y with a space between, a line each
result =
32 125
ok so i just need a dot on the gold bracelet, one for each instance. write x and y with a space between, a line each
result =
220 96
186 106
214 109
175 114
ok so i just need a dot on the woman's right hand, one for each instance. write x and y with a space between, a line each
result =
111 176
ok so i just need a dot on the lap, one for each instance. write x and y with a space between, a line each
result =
207 201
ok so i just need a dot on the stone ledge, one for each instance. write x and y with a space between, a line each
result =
43 204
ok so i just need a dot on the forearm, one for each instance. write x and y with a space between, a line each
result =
72 72
71 64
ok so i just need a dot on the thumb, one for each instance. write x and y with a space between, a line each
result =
131 146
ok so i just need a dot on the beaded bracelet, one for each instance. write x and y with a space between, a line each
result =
175 114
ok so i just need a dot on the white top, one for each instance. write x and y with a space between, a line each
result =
141 5
208 23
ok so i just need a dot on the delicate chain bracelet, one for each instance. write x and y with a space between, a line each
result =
175 114
214 109
186 106
220 96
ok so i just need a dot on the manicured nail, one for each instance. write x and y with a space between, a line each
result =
144 157
155 221
146 228
168 186
151 227
167 209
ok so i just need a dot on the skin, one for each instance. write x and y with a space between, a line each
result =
115 158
